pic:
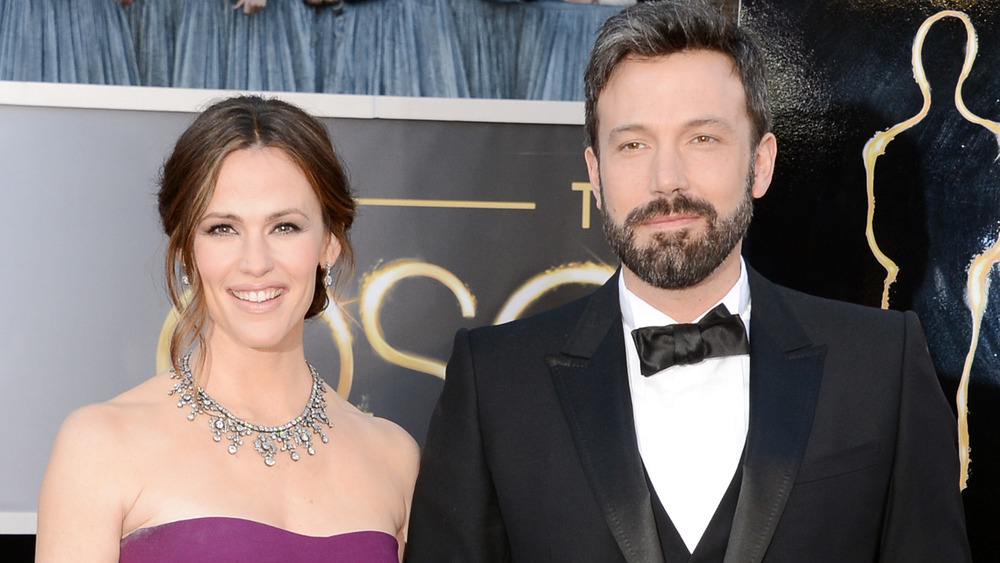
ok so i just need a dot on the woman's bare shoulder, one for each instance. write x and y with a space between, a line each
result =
102 438
117 416
383 437
93 473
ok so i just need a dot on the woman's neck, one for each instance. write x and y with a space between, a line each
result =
265 387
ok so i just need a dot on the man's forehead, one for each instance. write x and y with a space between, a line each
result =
628 101
637 58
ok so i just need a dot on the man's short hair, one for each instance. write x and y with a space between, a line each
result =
655 29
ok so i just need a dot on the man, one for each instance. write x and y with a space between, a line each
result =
581 435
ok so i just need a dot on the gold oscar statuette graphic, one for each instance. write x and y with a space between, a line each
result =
977 285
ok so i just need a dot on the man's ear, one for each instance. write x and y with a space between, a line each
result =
763 165
594 173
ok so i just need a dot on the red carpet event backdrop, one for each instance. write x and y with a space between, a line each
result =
459 224
887 193
887 189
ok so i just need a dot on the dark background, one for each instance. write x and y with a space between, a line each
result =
841 71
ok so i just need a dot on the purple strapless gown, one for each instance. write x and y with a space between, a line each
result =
221 539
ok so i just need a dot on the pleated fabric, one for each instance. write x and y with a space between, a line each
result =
489 34
438 55
440 48
348 49
392 48
154 35
556 39
271 49
80 41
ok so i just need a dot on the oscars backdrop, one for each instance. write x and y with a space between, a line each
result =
887 193
460 223
887 189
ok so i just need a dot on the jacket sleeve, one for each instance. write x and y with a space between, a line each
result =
455 515
925 519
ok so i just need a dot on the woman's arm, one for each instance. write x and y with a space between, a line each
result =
409 463
80 509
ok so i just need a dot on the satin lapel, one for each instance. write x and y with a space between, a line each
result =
786 368
590 377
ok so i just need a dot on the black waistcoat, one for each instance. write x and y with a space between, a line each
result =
711 547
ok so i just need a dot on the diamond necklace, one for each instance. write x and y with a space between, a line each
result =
269 439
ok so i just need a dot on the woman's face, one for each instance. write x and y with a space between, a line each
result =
257 248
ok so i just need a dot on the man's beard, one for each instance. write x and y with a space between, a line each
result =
678 259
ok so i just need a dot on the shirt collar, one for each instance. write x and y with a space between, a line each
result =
637 313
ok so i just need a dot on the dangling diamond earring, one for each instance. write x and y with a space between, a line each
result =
185 280
328 278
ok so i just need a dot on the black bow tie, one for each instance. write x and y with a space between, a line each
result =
717 334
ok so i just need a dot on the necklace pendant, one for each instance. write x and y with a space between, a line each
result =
297 432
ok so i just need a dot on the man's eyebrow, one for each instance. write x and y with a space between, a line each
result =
694 123
626 128
713 121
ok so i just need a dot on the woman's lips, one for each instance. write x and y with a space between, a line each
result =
257 296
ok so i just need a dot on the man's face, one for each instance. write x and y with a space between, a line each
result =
677 173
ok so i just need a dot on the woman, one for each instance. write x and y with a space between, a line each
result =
265 463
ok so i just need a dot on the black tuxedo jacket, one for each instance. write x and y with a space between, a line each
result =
851 451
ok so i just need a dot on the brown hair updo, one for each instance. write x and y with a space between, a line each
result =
188 179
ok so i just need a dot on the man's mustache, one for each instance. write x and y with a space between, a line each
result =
669 206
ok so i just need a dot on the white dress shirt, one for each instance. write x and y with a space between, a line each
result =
691 421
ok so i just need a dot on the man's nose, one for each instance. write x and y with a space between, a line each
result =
669 172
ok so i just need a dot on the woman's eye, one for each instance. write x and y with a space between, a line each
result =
221 230
285 228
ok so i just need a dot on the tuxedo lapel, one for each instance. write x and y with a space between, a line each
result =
785 372
591 380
